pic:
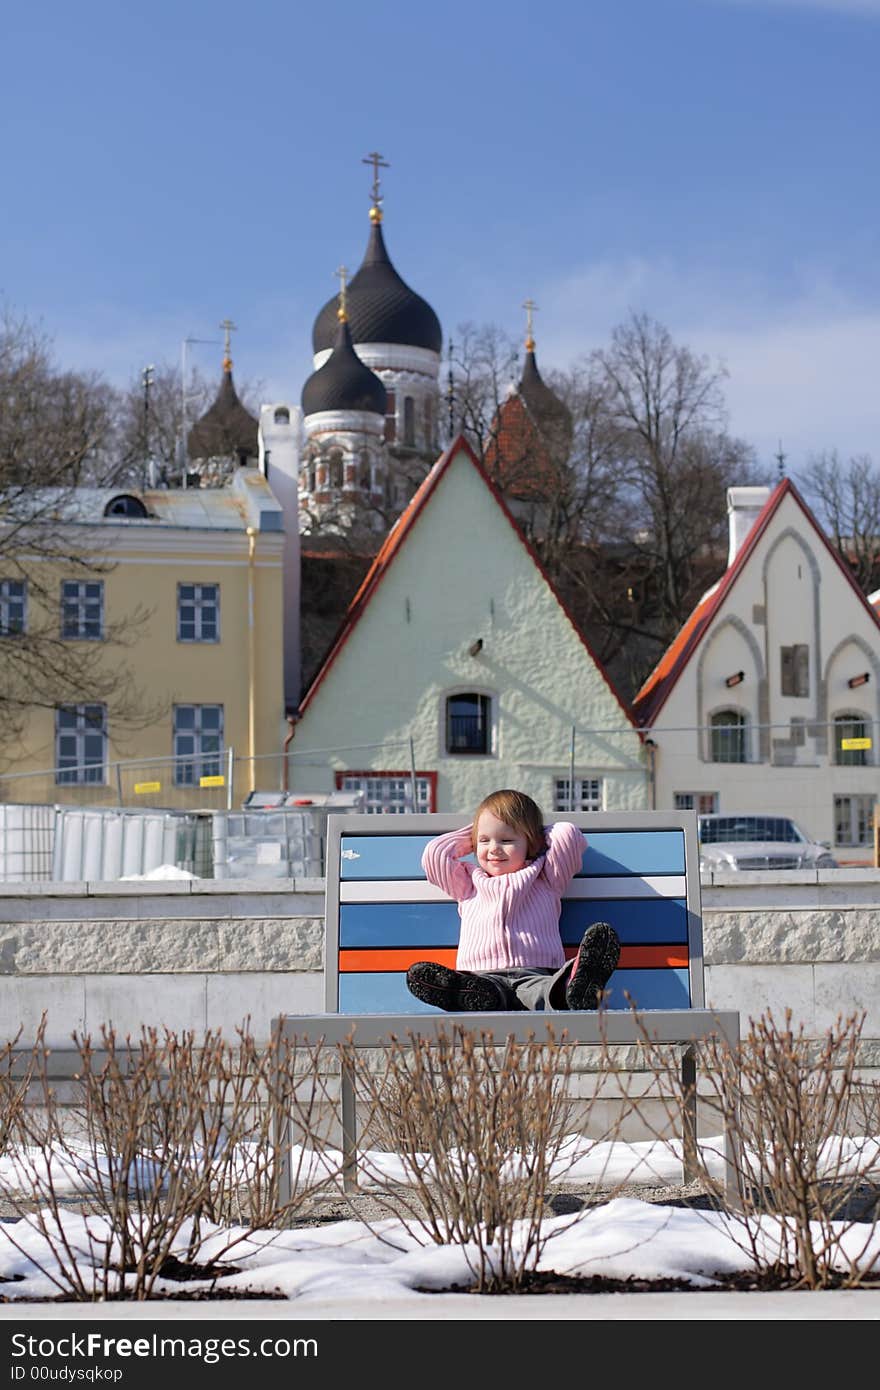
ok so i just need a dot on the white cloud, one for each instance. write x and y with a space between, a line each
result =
801 368
861 7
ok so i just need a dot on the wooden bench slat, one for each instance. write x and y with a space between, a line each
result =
411 890
383 992
398 855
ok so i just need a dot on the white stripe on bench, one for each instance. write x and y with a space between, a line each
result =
420 891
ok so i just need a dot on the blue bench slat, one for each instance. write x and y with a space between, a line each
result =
437 924
383 993
640 852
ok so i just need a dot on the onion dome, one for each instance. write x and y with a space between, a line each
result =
550 414
226 429
381 307
343 382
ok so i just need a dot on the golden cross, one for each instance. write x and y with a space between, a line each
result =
342 311
530 306
228 327
378 163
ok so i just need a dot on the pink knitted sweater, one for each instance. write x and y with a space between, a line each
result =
508 921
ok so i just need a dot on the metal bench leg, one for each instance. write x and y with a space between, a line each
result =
689 1152
349 1130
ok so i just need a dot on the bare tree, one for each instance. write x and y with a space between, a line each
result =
56 430
483 367
675 461
153 423
847 497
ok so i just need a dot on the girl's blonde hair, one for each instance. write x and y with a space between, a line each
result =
516 810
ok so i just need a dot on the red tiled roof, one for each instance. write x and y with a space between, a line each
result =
660 683
396 538
516 456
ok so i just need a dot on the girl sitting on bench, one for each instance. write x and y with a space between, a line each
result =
510 953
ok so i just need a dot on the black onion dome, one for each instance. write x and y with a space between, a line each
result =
550 414
226 428
381 307
343 382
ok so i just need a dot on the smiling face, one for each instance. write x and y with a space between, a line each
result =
500 848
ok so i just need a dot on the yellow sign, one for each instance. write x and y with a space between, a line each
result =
212 781
141 787
850 743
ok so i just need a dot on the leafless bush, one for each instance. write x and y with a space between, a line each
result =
803 1147
167 1137
480 1130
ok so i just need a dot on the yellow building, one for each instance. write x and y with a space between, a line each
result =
182 626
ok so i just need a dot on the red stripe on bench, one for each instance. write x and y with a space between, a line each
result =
400 958
353 961
647 957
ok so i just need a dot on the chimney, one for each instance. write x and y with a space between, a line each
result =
743 506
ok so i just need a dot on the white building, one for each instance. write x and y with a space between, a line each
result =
769 697
458 668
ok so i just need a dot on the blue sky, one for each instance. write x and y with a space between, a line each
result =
713 162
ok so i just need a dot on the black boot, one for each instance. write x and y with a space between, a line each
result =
594 965
456 991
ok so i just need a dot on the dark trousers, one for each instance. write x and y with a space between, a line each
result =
537 990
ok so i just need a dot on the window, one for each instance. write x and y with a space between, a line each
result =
198 743
82 609
198 612
468 724
854 820
745 828
429 423
846 727
409 421
335 468
80 744
728 742
390 417
13 602
390 792
795 674
705 803
587 794
308 475
282 415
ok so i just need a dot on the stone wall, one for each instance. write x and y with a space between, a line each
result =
209 954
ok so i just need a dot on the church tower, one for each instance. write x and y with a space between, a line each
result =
530 443
397 336
225 437
344 408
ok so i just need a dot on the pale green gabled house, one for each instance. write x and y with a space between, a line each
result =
457 670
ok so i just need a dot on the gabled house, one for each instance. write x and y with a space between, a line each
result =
458 670
769 697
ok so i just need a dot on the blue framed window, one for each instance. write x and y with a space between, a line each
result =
198 612
82 610
80 744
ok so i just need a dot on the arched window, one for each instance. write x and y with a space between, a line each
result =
409 421
282 415
849 728
335 468
429 423
390 417
364 472
308 474
728 742
469 724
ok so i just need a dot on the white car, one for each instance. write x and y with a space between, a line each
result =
746 841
